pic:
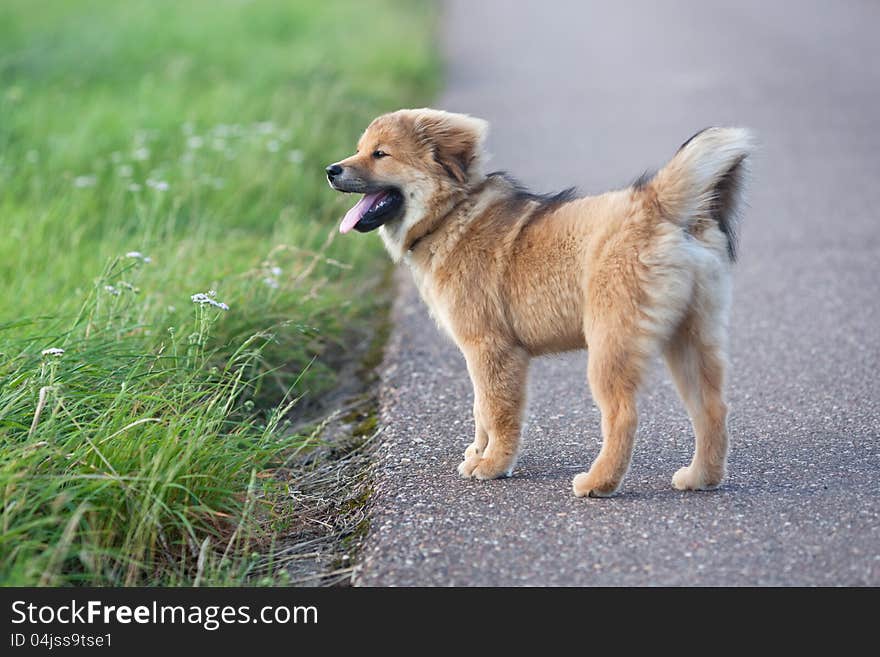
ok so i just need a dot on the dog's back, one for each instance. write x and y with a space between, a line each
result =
547 266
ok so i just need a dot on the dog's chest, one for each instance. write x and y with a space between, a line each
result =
438 306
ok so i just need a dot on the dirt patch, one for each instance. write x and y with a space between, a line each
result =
320 513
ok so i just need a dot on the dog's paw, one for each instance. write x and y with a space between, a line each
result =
485 468
466 467
691 478
473 452
587 484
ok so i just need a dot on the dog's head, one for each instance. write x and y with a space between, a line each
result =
407 163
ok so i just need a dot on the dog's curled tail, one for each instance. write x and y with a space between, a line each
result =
706 178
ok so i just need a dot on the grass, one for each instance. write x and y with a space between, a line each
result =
151 150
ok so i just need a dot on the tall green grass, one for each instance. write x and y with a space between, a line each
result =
150 151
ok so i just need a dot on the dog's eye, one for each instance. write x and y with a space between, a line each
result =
377 154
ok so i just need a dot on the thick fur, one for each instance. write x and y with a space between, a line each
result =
509 276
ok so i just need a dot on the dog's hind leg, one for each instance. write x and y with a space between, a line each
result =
498 373
696 359
615 370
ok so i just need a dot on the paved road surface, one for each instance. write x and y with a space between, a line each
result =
590 94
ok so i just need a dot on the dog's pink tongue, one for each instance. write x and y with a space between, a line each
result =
359 210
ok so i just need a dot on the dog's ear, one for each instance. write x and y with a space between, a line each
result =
456 141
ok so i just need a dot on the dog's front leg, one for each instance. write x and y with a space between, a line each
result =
498 372
481 438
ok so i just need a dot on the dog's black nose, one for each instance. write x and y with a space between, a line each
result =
332 171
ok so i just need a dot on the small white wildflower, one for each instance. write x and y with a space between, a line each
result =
195 142
276 271
84 181
270 282
135 254
265 127
141 137
32 156
295 156
147 260
134 187
273 146
141 154
158 185
111 290
53 351
125 170
201 298
172 309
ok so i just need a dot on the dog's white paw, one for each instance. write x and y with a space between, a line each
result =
466 467
586 484
483 468
691 478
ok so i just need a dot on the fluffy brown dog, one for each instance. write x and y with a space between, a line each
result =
511 275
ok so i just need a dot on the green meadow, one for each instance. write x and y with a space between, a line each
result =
172 284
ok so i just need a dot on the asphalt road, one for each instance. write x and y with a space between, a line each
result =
591 94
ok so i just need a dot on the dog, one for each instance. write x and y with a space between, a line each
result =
511 275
